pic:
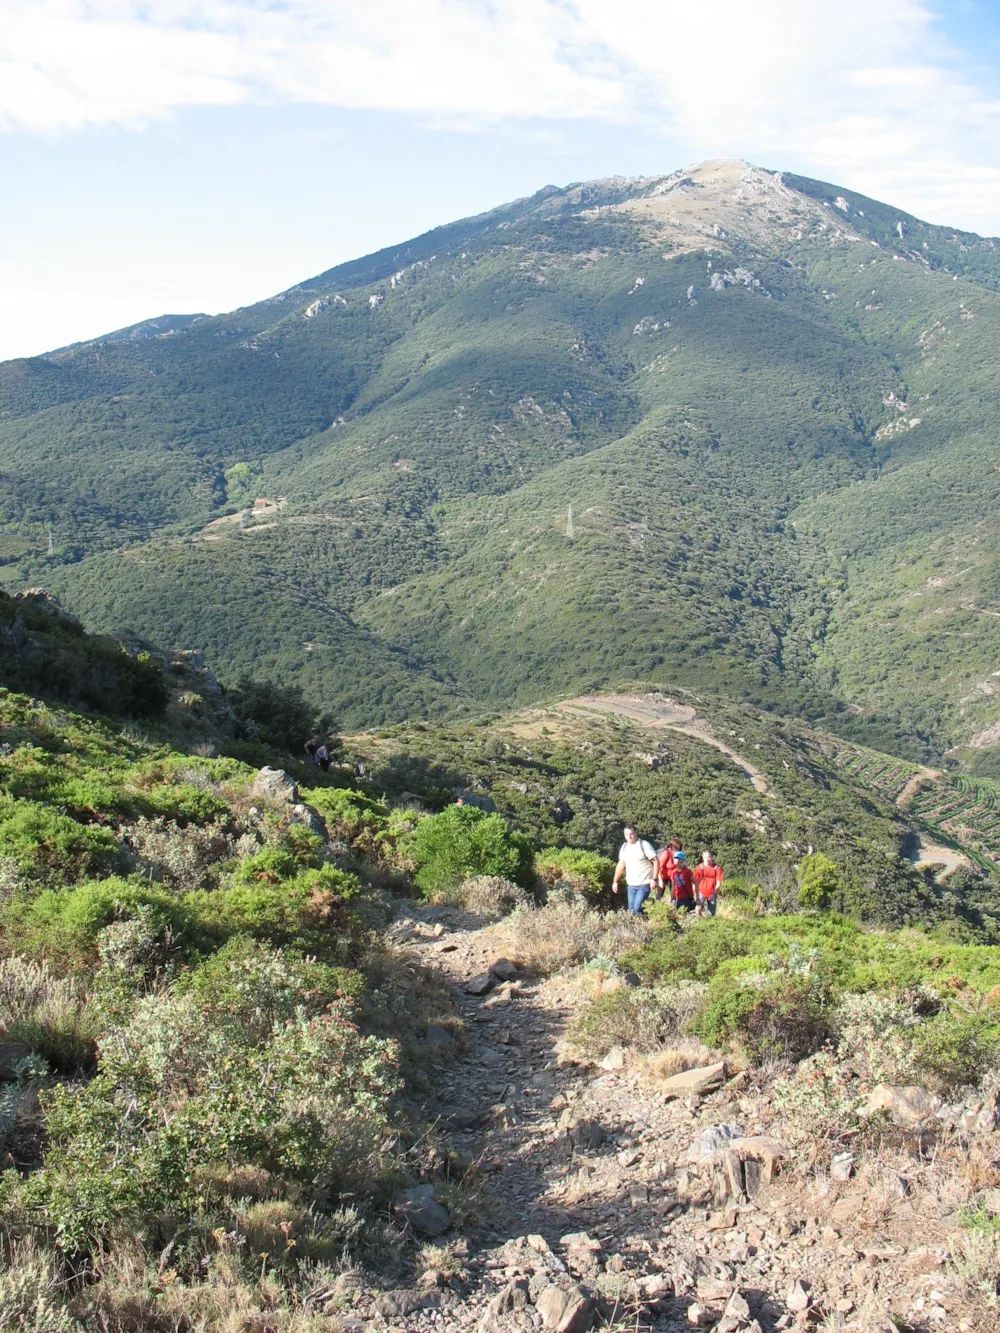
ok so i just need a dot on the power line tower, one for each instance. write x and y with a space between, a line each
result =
569 521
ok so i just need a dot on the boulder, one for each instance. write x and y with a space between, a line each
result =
908 1107
274 784
403 1302
439 1039
695 1082
842 1166
462 1118
420 1208
797 1296
11 1052
736 1315
586 1135
312 819
479 985
749 1165
504 969
565 1309
615 1058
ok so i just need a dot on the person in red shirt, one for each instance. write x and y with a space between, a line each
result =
707 878
665 865
682 883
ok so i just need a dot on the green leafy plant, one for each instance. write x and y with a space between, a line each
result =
463 841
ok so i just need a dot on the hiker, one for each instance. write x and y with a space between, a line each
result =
637 862
665 865
681 884
323 757
707 878
310 747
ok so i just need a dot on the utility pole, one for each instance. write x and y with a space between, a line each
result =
569 521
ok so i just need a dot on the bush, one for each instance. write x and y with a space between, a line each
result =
585 873
348 814
463 841
781 1010
47 846
183 1087
491 895
643 1019
174 855
310 911
820 882
819 1102
64 926
563 932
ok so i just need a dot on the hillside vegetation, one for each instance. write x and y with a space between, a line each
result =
722 429
215 1106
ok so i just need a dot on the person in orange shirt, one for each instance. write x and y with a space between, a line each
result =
707 878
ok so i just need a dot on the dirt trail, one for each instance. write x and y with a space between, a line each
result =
921 851
659 711
583 1178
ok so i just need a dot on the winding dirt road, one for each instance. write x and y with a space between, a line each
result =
659 711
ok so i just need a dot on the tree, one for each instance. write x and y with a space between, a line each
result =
276 714
820 881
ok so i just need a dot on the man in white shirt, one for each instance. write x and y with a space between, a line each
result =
637 862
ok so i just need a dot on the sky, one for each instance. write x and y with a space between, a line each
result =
172 156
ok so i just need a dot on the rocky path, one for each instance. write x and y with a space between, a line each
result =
582 1196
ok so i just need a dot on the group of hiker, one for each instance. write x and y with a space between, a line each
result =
649 870
318 752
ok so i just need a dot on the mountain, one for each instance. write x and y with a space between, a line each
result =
726 429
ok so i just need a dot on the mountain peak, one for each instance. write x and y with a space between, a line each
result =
722 197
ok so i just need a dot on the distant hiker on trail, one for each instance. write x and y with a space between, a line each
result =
637 862
311 746
323 757
665 865
681 884
707 878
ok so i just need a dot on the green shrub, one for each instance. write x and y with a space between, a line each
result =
348 814
463 841
264 984
63 926
585 873
953 1050
779 1008
275 714
644 1019
199 1080
48 846
184 803
820 882
311 911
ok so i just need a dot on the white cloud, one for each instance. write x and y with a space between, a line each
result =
864 91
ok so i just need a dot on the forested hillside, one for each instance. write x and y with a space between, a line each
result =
720 429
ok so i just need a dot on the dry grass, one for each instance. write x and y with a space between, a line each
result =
564 933
47 1013
490 896
687 1054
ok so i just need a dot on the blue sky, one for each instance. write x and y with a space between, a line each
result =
179 155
